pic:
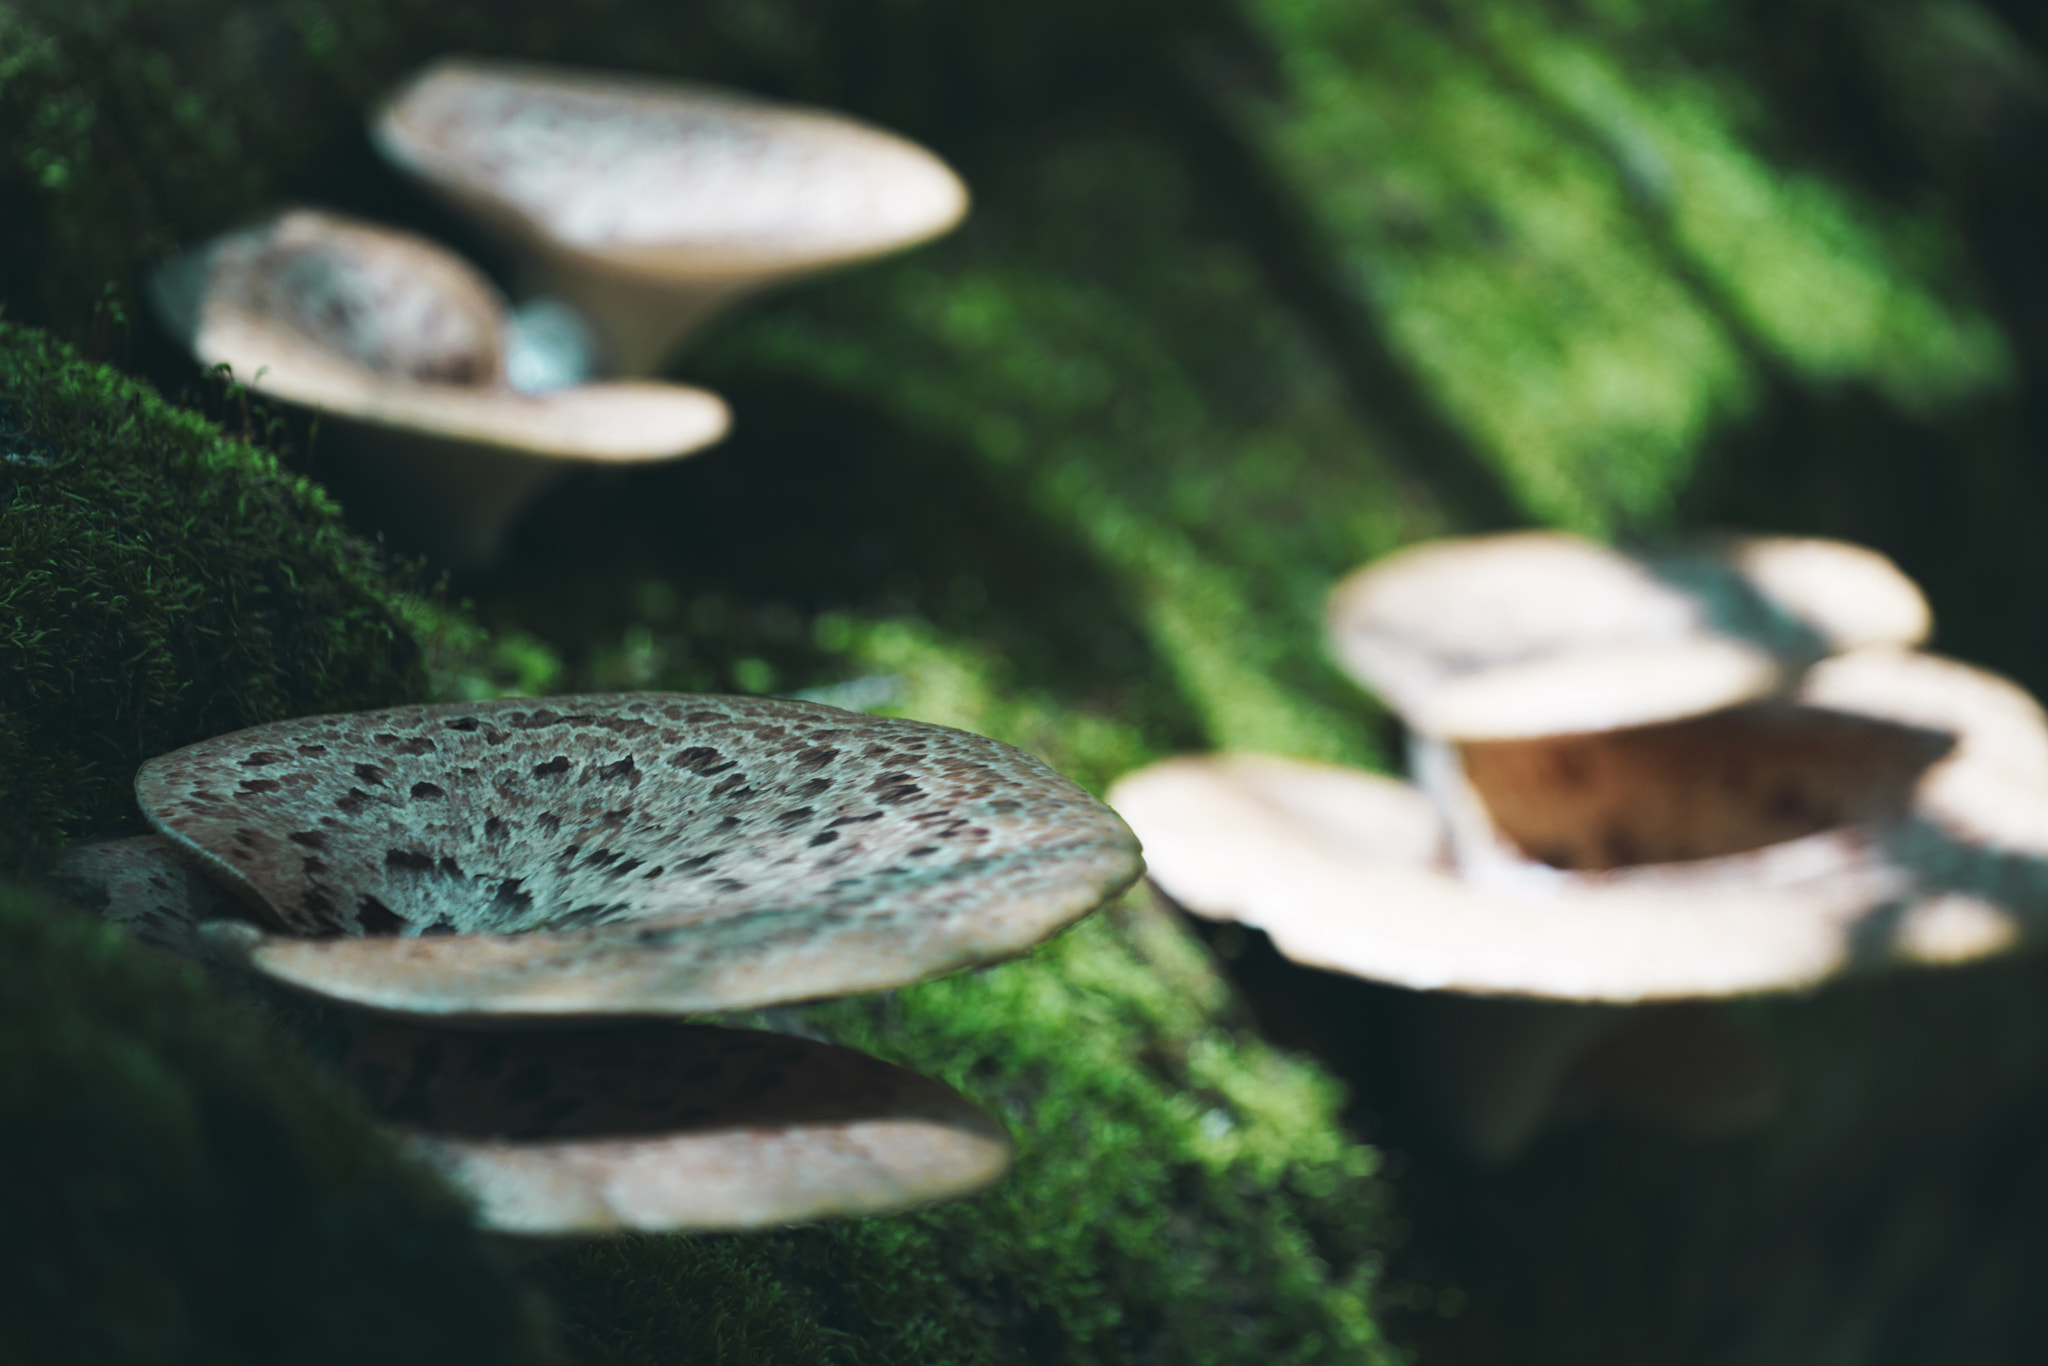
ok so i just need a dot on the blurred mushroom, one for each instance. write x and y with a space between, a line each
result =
1893 812
628 854
669 1127
1539 633
403 347
593 1128
649 205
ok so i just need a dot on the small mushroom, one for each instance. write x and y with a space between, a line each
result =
1893 812
628 854
1539 633
649 205
404 346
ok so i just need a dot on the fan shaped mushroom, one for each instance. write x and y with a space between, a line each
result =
592 1128
628 854
1539 633
668 1126
1892 812
649 205
405 345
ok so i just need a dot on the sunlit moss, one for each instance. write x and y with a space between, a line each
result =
1837 287
1586 255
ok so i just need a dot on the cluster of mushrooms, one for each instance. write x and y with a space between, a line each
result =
635 210
489 919
1642 784
503 908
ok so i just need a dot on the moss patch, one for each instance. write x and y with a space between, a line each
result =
181 1190
159 583
1182 1193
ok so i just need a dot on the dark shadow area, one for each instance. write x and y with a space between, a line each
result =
818 504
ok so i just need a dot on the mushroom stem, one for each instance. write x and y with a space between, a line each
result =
639 322
448 498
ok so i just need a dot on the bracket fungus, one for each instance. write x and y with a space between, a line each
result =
1540 633
1571 847
649 205
405 345
600 1125
664 1126
628 854
483 896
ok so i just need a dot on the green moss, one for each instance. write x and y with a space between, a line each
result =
159 583
1183 1193
708 1301
179 1190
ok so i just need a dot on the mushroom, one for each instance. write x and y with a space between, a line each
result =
603 1126
649 205
140 885
1892 812
664 1126
405 347
629 854
1539 633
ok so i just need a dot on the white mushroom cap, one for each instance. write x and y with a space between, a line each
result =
392 333
649 204
667 1127
1953 866
1538 633
629 854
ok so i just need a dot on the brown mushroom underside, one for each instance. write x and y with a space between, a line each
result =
637 853
1898 816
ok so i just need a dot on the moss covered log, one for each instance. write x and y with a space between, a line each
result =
180 1188
159 583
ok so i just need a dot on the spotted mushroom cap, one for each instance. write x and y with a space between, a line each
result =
141 886
668 1127
629 854
614 185
1540 633
388 329
1894 813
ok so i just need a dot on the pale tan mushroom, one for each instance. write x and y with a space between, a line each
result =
668 1127
401 346
1539 633
650 205
596 1128
628 854
1893 813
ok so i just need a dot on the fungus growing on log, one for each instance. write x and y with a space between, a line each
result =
403 346
649 205
628 854
498 866
1893 812
662 1126
1539 633
598 1127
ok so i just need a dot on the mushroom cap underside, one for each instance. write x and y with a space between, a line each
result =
629 854
663 179
1539 633
1957 870
667 1127
387 329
